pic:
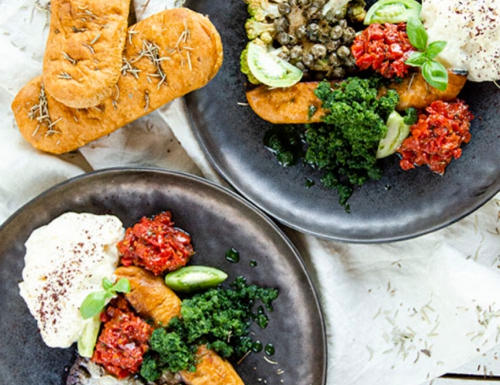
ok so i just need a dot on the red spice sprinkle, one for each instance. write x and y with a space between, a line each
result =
437 136
123 341
385 48
155 244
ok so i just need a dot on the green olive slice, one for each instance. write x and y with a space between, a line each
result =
192 278
392 11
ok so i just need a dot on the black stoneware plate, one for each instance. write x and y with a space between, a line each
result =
401 205
217 221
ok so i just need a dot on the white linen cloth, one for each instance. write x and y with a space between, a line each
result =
398 313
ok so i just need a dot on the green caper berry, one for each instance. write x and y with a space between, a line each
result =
283 38
313 31
300 66
334 60
343 52
284 9
281 25
339 72
308 59
296 52
336 32
303 3
318 50
332 45
343 23
348 35
300 32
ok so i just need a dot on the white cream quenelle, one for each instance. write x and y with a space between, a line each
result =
472 30
65 261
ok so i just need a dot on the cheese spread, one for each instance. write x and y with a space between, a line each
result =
471 29
65 261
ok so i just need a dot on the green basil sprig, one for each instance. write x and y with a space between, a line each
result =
433 72
95 302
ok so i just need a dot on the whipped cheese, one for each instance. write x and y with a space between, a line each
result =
472 30
65 261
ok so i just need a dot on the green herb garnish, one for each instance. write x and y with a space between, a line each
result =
96 301
433 72
218 318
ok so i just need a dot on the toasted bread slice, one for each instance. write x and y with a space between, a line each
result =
166 56
83 56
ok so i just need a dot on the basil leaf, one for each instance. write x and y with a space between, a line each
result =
416 59
122 286
435 74
93 304
435 48
107 283
416 33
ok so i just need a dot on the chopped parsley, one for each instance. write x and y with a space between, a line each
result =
218 318
344 146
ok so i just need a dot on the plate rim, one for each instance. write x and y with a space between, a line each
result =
211 185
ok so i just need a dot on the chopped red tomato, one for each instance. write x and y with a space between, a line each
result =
437 136
123 340
155 244
384 48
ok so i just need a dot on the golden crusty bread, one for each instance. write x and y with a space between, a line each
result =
83 56
166 56
151 298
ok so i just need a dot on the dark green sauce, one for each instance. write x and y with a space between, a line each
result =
285 142
269 349
257 346
309 183
233 255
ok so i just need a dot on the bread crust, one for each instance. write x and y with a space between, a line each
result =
189 54
83 56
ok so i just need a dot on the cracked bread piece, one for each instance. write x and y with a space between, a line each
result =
83 56
166 56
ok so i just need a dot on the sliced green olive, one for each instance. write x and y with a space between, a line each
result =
392 11
397 131
270 70
192 278
88 338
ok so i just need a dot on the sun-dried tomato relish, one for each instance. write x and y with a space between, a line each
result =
155 244
123 339
385 48
437 136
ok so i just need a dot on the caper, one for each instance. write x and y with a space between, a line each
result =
331 16
348 35
300 32
313 32
334 60
303 3
318 51
338 72
283 38
336 32
281 24
284 54
318 3
343 52
284 9
296 52
332 45
343 23
308 59
293 3
300 66
312 12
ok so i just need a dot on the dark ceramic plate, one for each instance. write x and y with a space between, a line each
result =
217 221
401 205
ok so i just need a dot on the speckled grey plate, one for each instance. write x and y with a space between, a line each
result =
401 205
217 220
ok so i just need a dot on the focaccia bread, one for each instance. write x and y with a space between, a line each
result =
83 56
166 56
